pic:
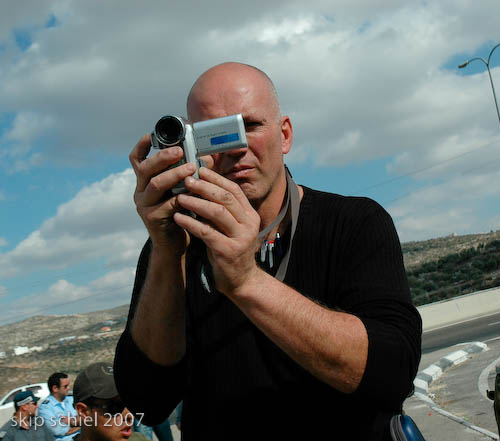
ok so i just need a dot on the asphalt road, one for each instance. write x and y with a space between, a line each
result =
480 329
459 390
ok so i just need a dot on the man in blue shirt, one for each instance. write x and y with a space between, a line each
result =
57 409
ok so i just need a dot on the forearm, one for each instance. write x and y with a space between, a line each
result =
72 430
158 326
331 345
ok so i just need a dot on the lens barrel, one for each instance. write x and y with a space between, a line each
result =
169 130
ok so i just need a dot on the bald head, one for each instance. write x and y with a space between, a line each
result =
222 80
232 88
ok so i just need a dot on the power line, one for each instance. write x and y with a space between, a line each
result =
423 187
379 184
414 172
55 306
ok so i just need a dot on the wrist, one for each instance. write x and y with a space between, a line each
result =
253 282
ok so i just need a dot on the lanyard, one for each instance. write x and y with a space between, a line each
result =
292 203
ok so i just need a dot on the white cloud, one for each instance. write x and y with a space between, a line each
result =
454 206
340 69
28 126
361 80
99 222
63 297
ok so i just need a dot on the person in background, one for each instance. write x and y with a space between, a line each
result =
162 431
102 413
58 408
24 426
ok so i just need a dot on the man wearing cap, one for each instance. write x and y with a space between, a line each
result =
58 408
24 425
102 413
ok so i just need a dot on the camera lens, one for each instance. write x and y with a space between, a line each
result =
169 130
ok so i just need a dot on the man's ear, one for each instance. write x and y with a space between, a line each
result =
286 134
82 409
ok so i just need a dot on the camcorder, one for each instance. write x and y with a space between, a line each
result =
198 139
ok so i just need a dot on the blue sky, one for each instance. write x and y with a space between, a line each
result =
378 106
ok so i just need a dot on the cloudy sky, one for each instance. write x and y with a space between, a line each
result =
378 105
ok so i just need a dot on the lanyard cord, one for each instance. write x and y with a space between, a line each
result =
292 202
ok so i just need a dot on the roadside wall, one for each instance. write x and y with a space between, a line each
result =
460 308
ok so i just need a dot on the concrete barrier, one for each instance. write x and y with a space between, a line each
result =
460 308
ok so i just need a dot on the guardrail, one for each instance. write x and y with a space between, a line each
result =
460 308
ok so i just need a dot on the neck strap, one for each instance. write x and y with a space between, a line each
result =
292 202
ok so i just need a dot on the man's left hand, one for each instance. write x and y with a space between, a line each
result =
228 225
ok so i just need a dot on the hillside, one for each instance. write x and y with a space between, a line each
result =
437 268
67 343
416 253
474 265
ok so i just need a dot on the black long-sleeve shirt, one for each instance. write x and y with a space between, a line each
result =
237 384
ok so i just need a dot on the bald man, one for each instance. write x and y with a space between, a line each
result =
306 329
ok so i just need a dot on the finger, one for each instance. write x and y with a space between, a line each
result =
140 151
230 196
158 185
216 214
147 168
209 161
222 182
213 239
160 215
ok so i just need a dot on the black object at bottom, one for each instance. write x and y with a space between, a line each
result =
403 428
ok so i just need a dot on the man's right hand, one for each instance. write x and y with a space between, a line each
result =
154 181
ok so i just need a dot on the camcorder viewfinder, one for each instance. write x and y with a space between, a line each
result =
198 139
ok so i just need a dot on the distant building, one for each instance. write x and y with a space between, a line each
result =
105 329
3 354
64 339
20 350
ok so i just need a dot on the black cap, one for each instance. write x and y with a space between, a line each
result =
25 397
96 381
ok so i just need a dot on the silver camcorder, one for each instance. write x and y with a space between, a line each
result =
199 139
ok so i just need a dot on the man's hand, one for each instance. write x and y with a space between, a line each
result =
228 225
154 180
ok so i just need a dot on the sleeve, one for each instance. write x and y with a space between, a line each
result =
8 436
48 435
376 290
147 388
51 419
6 433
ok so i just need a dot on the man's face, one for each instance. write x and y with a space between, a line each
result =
31 408
257 168
63 388
106 420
